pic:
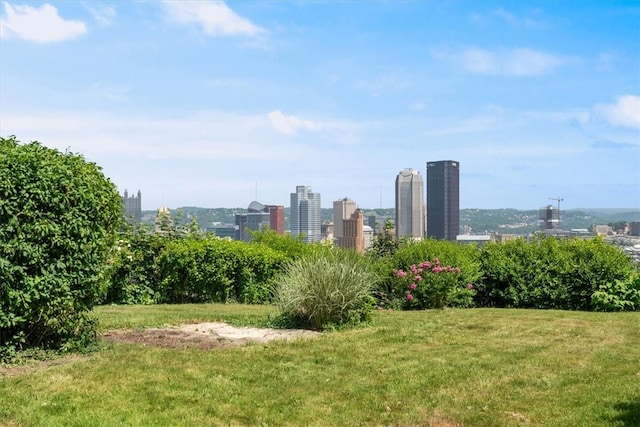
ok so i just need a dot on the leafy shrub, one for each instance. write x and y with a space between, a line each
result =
215 270
384 244
58 220
292 247
432 285
133 270
327 287
549 273
464 257
618 296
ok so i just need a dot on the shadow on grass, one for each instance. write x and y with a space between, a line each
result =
628 413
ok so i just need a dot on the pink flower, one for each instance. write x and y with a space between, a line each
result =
413 268
418 278
469 286
413 286
400 273
436 269
457 270
409 297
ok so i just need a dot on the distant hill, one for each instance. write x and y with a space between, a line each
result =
480 221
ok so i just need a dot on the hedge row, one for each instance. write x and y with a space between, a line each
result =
572 274
545 273
154 268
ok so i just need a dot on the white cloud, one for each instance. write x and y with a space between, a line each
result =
624 113
517 22
205 135
105 15
214 17
514 62
39 25
290 125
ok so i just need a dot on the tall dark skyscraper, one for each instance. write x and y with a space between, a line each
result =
443 199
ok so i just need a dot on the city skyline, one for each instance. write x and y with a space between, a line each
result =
216 104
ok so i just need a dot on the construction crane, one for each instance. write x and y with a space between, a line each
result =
557 199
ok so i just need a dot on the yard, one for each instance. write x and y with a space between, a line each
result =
454 367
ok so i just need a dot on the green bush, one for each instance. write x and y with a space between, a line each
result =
430 284
58 220
214 270
392 293
133 269
618 296
327 287
549 273
292 247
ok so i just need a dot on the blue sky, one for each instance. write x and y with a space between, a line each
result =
207 103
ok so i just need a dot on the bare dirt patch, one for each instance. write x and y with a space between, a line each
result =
205 336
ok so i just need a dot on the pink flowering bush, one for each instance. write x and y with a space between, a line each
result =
430 284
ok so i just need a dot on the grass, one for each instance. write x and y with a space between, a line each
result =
472 367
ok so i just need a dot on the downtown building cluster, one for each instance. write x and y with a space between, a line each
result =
438 217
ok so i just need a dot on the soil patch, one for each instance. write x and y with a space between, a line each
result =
205 336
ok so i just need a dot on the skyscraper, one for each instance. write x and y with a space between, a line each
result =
305 214
342 210
259 216
443 199
353 232
410 212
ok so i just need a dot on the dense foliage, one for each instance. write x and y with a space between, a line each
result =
133 267
621 295
550 273
431 284
392 290
180 266
186 266
58 218
215 270
328 287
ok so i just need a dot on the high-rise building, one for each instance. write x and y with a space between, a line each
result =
353 232
410 212
276 218
132 206
342 210
259 216
443 199
549 218
305 214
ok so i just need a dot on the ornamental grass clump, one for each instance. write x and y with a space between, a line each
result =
432 285
326 288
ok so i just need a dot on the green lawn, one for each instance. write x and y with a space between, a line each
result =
471 367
